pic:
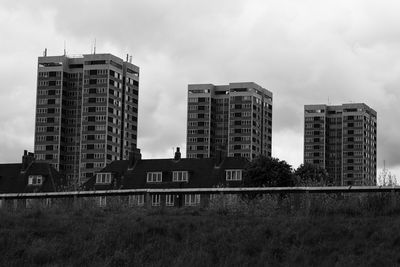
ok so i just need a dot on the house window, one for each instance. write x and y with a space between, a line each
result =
102 201
154 177
155 200
136 200
47 202
214 197
169 200
180 176
29 203
233 175
35 180
192 199
103 178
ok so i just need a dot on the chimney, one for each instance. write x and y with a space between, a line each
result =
220 155
177 154
27 160
134 156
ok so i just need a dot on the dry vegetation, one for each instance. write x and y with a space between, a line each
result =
333 231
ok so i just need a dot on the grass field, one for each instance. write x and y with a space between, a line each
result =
198 237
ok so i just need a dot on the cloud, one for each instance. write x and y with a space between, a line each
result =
305 52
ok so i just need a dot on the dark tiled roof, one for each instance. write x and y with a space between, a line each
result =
203 173
9 176
118 168
14 180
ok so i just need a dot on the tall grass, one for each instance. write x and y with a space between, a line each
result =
289 230
361 204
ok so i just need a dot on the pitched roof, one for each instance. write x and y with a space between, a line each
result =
118 168
203 173
9 175
14 180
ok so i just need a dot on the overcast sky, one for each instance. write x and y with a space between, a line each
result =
305 52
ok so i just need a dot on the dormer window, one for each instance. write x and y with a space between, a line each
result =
154 177
35 180
233 175
103 178
180 176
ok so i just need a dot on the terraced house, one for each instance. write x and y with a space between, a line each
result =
173 173
86 112
29 176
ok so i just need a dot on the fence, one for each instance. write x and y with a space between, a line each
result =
291 198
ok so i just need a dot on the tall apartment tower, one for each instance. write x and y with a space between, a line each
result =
236 117
342 139
86 112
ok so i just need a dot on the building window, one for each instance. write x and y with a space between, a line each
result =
169 200
35 180
103 178
180 176
155 200
102 201
154 177
192 199
136 200
233 175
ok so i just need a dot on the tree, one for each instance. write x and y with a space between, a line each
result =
268 172
386 178
311 175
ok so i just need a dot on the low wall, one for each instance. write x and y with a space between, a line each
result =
293 199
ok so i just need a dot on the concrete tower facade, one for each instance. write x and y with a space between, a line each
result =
86 112
237 117
342 139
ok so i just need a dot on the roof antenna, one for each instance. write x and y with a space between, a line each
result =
127 57
65 48
45 52
94 47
